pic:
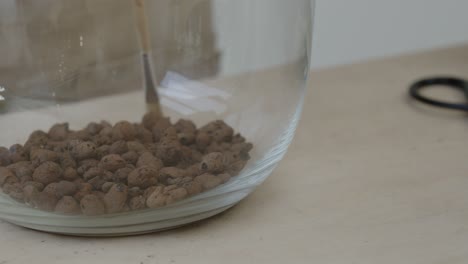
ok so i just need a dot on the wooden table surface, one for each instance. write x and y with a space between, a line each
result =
370 178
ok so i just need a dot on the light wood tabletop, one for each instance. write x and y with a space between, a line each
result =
370 178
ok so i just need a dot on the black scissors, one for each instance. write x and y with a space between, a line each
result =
449 82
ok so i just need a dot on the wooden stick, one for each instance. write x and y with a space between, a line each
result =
142 25
151 94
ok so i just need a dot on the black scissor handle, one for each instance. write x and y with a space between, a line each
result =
450 82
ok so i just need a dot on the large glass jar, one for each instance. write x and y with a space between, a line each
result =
130 116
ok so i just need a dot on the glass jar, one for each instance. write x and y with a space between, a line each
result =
125 116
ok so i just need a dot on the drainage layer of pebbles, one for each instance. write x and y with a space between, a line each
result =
106 169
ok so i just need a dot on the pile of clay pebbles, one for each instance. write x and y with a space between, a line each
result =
108 169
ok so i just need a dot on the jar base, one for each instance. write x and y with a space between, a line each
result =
131 230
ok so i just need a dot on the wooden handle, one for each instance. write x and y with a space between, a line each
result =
142 24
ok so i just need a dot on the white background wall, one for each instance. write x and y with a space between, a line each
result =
347 31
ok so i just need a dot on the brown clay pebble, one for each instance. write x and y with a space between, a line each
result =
80 135
159 128
150 119
102 141
84 150
225 146
188 155
37 138
171 173
99 194
11 185
169 151
162 124
106 132
213 163
73 143
107 186
58 132
97 182
170 133
5 174
47 172
235 168
112 162
85 165
17 194
83 190
136 146
176 195
194 171
147 159
143 177
4 156
225 177
121 175
242 147
184 125
238 139
223 134
116 198
102 151
186 138
7 187
18 153
124 130
87 187
178 181
157 198
208 181
22 169
143 134
60 189
118 147
44 201
91 205
130 157
169 188
66 188
52 189
92 172
134 191
39 156
30 192
193 187
79 181
39 186
137 203
203 140
70 174
67 161
149 191
67 205
105 124
93 128
150 147
25 171
12 180
214 147
25 179
214 126
229 158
